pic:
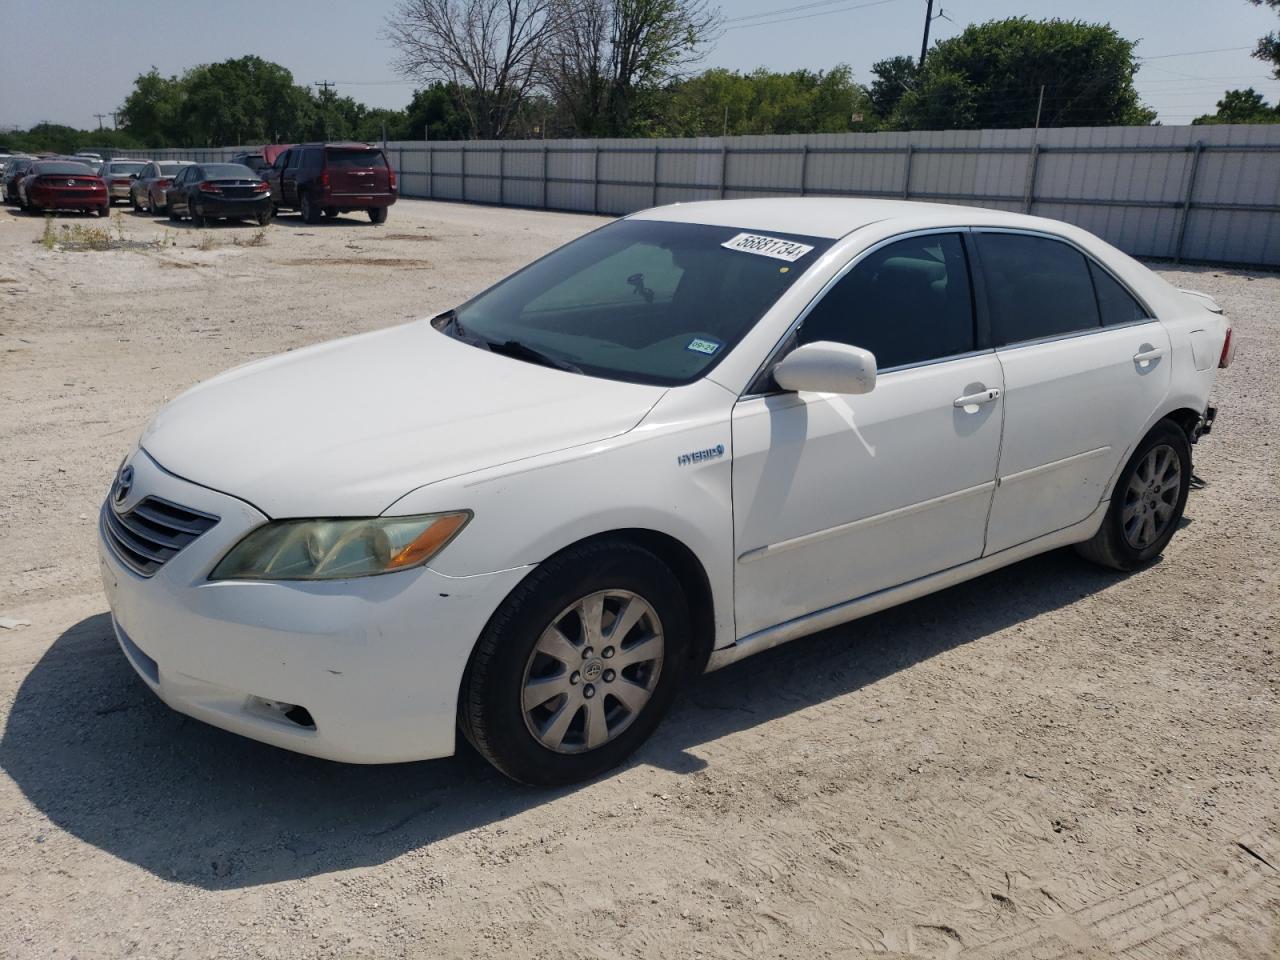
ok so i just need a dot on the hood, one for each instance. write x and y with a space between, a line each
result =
346 428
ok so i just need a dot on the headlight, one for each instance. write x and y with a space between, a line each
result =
338 549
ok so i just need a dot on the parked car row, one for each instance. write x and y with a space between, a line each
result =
316 179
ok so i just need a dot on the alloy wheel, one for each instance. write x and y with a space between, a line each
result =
1151 498
592 671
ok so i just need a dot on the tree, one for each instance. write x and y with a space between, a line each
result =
1268 47
1242 106
152 111
893 77
490 51
991 75
763 102
433 112
607 57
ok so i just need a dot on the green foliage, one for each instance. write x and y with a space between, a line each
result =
1242 106
763 102
893 77
1268 47
57 138
991 74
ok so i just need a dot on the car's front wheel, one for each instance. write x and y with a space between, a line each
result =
1147 502
577 667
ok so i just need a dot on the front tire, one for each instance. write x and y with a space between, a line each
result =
1147 502
554 694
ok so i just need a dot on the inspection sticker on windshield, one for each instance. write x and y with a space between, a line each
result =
698 345
787 250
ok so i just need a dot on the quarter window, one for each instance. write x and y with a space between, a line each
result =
907 302
1114 302
1036 287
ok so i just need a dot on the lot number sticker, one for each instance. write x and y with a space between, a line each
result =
787 250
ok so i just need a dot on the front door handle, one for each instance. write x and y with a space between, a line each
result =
1147 354
976 399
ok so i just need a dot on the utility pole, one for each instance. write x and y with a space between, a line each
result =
101 117
924 44
326 86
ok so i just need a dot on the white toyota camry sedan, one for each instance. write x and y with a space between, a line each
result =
693 434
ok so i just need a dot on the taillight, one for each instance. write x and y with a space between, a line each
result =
324 181
261 186
1228 350
164 183
391 178
208 186
121 183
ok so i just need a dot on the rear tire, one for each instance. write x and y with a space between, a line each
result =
174 216
105 211
547 743
264 218
1147 502
198 219
330 212
310 212
378 214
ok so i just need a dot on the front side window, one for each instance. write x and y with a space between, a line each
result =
643 301
1036 287
907 302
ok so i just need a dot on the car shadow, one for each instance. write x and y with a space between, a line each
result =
98 755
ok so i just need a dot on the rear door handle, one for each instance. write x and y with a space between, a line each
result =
1148 354
976 399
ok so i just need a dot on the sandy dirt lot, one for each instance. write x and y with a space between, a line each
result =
1051 761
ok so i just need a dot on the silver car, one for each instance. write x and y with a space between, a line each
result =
120 176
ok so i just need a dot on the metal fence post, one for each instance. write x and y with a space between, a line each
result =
1029 192
804 170
464 172
724 164
431 172
595 180
502 175
653 197
545 151
906 174
1186 201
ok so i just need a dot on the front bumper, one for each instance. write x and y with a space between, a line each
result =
375 664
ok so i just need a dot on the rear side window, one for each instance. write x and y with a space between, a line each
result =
355 159
1036 287
311 159
908 302
1114 302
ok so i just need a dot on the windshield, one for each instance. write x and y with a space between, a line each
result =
227 171
125 168
62 167
354 159
639 300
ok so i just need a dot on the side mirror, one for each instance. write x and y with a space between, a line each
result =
826 367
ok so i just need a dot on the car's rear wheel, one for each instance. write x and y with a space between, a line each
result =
198 219
378 214
577 667
105 211
330 212
264 217
1147 502
173 214
306 206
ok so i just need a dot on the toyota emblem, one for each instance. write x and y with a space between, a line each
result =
124 483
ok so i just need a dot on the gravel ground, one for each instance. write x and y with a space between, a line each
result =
1051 761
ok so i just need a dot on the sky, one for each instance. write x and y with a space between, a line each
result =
1192 50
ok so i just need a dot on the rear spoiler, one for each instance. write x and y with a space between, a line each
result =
1203 299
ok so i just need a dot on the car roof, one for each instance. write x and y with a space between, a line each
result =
829 217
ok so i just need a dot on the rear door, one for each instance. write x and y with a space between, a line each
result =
356 173
1078 391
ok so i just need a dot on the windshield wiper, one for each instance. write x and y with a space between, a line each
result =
522 351
452 326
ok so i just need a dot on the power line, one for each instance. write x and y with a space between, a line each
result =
794 8
810 16
1195 53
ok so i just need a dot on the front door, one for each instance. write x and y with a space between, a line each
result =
837 497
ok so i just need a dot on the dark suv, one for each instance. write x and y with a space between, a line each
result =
332 178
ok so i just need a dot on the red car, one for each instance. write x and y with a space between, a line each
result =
63 185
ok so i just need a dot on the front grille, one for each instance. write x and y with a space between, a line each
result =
152 533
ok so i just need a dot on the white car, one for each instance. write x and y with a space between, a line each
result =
693 434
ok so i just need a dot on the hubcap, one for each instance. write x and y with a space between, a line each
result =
1151 497
571 702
